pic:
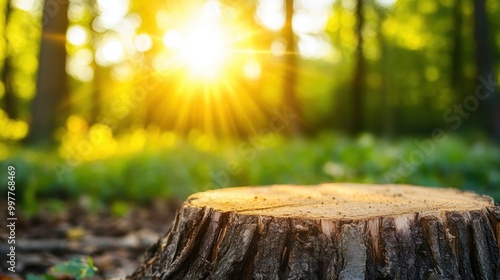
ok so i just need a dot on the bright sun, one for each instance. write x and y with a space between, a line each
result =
211 60
202 49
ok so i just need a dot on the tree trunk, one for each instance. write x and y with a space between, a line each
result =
486 70
290 76
358 86
332 231
49 108
457 53
10 100
386 106
96 99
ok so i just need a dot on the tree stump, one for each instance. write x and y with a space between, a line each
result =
330 231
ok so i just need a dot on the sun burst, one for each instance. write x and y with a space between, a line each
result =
203 49
213 69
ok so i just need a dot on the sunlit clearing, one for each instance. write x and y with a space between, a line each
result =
202 49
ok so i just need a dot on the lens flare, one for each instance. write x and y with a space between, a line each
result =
202 49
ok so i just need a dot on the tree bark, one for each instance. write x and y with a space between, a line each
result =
486 69
49 108
457 53
290 76
386 103
358 86
10 99
332 231
97 84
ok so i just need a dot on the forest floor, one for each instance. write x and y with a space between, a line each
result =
115 243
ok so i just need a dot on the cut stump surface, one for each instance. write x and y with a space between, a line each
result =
330 231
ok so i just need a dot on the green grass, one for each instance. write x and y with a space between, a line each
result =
187 167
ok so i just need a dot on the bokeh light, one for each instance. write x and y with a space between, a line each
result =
110 51
77 35
143 42
252 70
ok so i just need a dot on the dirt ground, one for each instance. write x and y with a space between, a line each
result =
115 243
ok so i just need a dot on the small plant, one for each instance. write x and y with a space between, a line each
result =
76 268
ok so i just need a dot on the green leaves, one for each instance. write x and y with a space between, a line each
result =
76 268
40 277
159 172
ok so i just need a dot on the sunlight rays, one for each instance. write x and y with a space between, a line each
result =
209 70
211 64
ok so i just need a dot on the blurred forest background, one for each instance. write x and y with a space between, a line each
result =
121 100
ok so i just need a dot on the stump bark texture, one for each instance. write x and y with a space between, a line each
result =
330 231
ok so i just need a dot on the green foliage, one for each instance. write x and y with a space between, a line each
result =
75 268
185 168
40 277
119 208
